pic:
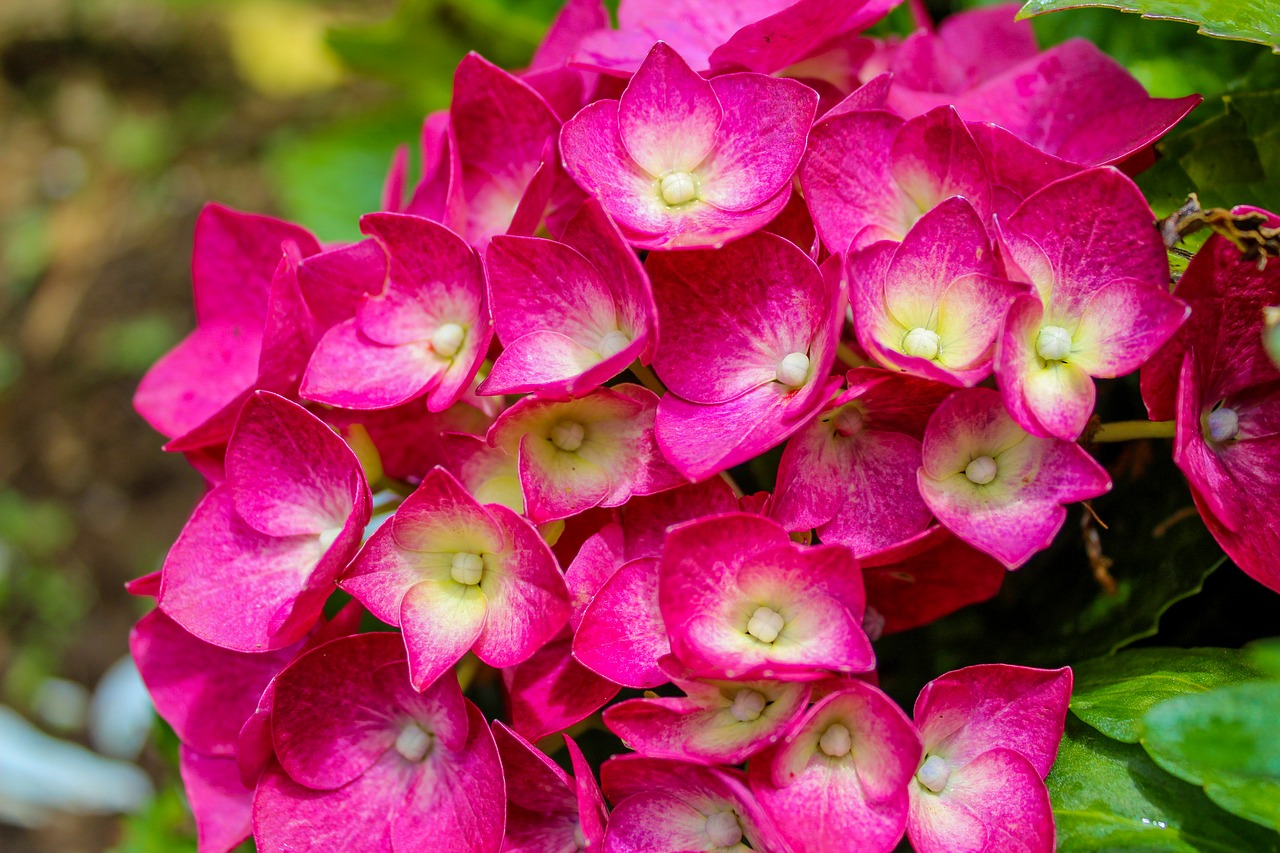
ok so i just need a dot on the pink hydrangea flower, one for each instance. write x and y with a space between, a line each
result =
261 552
870 175
1215 379
932 304
457 576
758 35
749 337
850 474
597 450
990 735
839 780
667 806
425 333
742 601
248 315
570 314
715 722
547 811
994 485
1100 303
366 763
985 65
683 161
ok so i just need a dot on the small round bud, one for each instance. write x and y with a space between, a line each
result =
1223 424
568 435
413 743
1053 343
922 343
836 741
934 773
765 624
678 187
848 420
793 370
467 568
613 343
981 470
748 705
447 339
723 829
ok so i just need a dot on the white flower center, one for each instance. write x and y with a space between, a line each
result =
613 343
765 624
921 343
723 829
329 536
568 435
836 741
981 470
793 370
1053 343
1223 424
447 340
467 568
413 743
748 705
934 773
848 420
678 187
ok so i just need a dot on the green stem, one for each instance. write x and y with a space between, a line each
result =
1132 431
647 378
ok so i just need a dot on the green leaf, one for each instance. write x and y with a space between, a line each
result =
1225 740
1243 20
1113 693
1108 795
1265 655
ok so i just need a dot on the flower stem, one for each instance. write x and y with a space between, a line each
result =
1132 431
647 378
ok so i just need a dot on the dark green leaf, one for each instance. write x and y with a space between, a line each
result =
1109 795
1113 693
1244 20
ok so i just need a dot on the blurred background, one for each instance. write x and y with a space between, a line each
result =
118 120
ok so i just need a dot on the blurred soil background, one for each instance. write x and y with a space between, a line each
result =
119 119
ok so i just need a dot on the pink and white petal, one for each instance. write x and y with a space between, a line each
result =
352 371
441 620
760 141
457 800
935 157
656 822
810 483
996 802
541 285
1016 360
551 691
382 573
668 115
544 360
1015 707
595 157
288 816
528 602
966 425
968 319
197 378
441 516
881 504
622 634
946 243
558 484
705 226
844 199
224 581
1009 531
221 805
1060 396
1122 325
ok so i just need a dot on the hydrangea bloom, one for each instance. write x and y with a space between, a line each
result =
683 161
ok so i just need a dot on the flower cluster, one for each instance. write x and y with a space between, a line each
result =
491 441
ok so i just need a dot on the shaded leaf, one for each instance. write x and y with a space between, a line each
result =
1113 693
1244 20
1108 795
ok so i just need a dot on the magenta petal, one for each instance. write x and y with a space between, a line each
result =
334 282
221 805
551 691
622 635
845 200
1014 707
441 622
668 115
789 33
594 155
224 358
542 810
502 125
935 157
288 816
1110 346
996 802
592 811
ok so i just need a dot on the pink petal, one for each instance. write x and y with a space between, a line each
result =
288 816
551 691
668 115
843 199
221 805
1123 324
934 157
621 635
194 381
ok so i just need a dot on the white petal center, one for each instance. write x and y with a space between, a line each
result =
723 829
836 741
748 705
467 568
613 343
934 773
1223 424
568 435
678 187
981 470
447 339
921 343
413 742
1053 343
765 624
793 370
